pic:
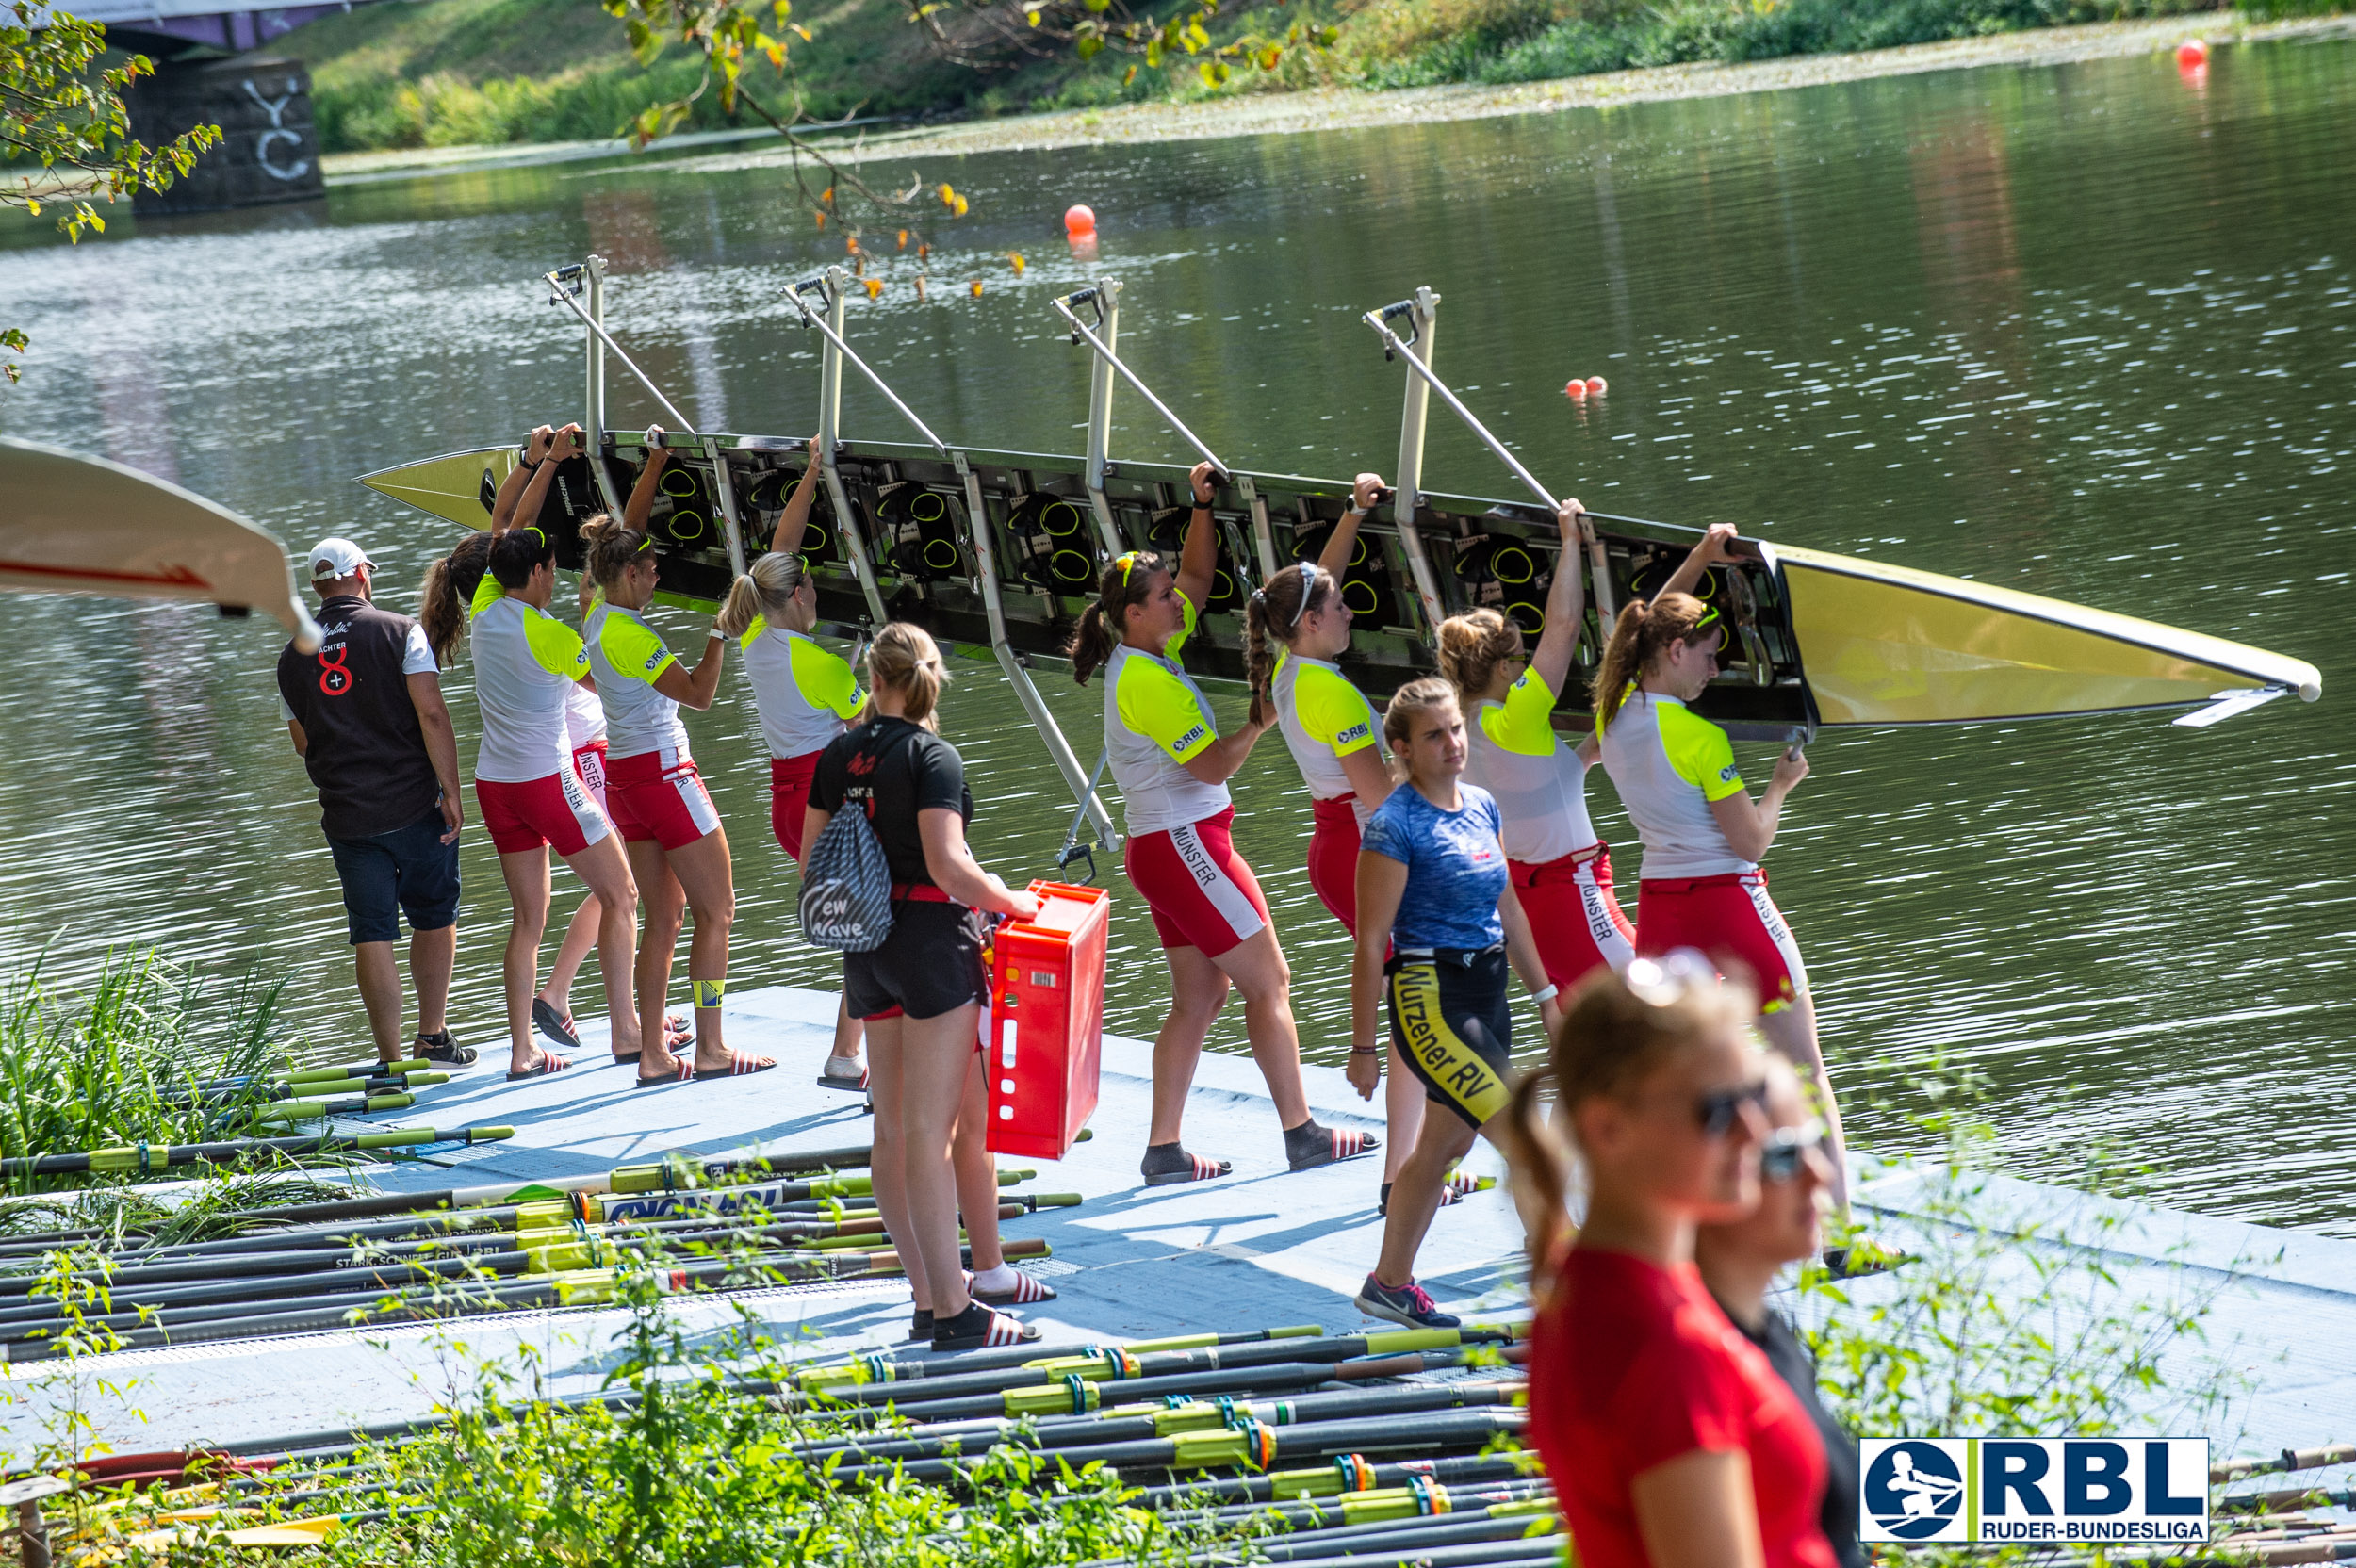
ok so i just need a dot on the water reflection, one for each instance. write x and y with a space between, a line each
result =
2076 329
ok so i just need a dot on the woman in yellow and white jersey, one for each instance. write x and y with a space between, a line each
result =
805 695
1562 871
1295 628
660 806
1702 884
529 797
1172 765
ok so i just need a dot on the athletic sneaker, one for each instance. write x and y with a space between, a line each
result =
1408 1305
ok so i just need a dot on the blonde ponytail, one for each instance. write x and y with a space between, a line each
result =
905 659
766 589
1471 649
1643 630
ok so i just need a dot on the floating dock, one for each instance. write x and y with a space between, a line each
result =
1259 1248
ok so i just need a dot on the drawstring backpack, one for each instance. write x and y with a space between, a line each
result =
846 892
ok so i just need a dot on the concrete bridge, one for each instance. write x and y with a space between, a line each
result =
222 23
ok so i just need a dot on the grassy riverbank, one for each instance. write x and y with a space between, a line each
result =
465 72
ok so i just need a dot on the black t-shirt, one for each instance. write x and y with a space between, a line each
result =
896 769
1797 1368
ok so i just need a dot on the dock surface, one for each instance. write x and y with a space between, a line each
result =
1260 1247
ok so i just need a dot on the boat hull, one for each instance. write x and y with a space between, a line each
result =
1815 639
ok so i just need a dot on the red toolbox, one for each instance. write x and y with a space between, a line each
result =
1047 1021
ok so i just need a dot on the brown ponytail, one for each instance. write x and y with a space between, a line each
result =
1471 649
1609 1041
449 588
1122 584
1643 630
612 549
1275 612
905 659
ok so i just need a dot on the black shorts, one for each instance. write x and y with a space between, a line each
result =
931 964
1454 1027
408 870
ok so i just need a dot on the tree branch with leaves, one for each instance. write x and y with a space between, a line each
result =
65 133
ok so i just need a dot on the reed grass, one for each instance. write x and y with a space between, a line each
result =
117 1063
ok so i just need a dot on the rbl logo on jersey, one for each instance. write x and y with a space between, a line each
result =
1189 738
1362 730
2043 1489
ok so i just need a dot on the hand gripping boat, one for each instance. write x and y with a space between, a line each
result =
999 551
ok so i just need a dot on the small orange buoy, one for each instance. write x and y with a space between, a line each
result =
1575 389
1078 219
2192 52
976 286
874 288
1597 386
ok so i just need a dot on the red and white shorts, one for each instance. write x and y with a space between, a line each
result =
589 761
1333 858
658 795
1199 891
555 810
1730 919
789 798
1574 915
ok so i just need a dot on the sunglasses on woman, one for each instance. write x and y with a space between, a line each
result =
1718 1113
1781 1156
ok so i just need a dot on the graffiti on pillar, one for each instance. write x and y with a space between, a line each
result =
262 144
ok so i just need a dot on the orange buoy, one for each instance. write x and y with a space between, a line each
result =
2192 52
1597 386
1575 389
1078 219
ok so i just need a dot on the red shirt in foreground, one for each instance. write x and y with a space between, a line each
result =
1632 1365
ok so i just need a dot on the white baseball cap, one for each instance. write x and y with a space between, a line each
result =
334 558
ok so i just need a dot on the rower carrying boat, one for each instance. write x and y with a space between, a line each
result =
998 550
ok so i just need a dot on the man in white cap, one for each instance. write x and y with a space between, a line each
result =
367 717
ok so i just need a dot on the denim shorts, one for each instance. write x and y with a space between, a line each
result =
408 870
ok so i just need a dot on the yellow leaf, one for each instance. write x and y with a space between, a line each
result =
960 207
948 197
904 239
874 287
976 286
1017 258
822 220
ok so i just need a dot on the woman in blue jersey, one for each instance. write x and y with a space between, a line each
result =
678 851
1437 917
1171 767
805 695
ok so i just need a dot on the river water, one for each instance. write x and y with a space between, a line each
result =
2086 330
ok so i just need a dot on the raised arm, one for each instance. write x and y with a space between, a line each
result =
794 519
641 503
1335 558
1566 602
1198 558
1716 546
512 487
564 444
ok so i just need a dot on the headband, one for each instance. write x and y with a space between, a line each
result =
1310 571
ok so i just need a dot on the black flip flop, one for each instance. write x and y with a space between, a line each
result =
555 1026
550 1062
685 1074
978 1327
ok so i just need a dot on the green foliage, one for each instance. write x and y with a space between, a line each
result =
1507 41
2001 1325
65 134
112 1067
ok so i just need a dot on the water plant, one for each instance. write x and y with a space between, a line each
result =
120 1062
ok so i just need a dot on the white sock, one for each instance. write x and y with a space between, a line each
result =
997 1281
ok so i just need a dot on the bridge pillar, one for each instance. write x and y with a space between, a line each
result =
270 148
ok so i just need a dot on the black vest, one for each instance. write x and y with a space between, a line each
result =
366 750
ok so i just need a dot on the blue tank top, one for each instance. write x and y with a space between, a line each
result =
1455 867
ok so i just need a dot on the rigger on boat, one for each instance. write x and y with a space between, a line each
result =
999 550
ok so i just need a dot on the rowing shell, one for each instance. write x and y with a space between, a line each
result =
1816 639
83 525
